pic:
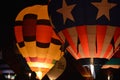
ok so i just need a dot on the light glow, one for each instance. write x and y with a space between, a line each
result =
40 65
108 77
29 74
39 74
92 70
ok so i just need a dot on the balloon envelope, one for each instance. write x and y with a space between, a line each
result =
89 29
36 39
58 69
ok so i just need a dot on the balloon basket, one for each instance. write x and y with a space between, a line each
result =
91 66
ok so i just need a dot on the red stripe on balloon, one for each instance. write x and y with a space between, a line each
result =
100 33
69 39
82 33
108 51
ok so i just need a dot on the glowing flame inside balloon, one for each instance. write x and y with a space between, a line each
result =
39 73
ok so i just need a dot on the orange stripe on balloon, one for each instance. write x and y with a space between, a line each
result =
18 33
82 33
79 56
48 60
100 33
43 33
69 39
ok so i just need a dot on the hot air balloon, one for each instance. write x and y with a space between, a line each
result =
112 63
36 39
58 69
89 29
110 70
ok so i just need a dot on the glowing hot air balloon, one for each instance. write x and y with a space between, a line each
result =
111 69
58 69
36 39
89 29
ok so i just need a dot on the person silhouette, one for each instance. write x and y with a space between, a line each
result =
33 76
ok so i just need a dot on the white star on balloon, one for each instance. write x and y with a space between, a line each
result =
104 8
66 11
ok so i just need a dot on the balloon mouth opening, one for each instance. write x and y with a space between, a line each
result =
94 61
93 65
97 63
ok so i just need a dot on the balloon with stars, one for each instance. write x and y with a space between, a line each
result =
90 29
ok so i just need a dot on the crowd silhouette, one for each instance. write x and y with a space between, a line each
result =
21 76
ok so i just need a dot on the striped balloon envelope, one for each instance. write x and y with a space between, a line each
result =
90 29
36 39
